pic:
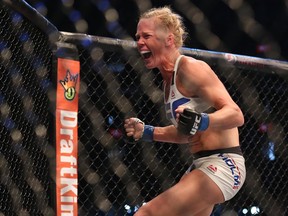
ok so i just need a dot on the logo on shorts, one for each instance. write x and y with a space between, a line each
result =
212 168
234 169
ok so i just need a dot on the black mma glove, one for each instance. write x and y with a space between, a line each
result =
190 122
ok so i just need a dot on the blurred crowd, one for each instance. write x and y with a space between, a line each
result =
255 27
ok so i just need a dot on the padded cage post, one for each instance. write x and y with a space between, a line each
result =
66 120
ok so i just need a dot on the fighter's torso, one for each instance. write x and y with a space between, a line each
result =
211 138
174 98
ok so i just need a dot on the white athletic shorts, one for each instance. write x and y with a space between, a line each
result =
226 167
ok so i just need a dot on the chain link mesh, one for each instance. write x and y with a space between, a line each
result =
24 117
117 175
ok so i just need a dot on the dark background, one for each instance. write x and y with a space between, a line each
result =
255 27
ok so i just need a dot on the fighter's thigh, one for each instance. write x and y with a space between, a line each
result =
194 193
204 187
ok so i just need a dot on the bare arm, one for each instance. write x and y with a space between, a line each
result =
199 79
196 78
135 128
170 134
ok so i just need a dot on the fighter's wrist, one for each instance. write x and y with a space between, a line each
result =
204 122
148 132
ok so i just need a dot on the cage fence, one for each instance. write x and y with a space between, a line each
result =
116 85
115 174
26 65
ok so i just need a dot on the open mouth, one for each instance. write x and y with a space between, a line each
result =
146 54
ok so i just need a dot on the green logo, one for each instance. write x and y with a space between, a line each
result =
69 85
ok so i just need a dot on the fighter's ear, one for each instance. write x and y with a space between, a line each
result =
169 39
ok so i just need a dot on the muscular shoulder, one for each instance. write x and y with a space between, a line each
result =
194 72
192 65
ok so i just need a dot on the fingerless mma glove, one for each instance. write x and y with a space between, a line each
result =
190 122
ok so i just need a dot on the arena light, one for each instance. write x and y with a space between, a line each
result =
245 211
271 151
255 210
252 210
128 209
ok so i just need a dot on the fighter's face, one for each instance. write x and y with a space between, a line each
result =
150 42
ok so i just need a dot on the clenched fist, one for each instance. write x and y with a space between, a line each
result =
134 127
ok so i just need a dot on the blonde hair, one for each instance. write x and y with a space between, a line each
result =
170 21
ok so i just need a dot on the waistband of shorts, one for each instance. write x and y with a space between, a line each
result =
206 153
